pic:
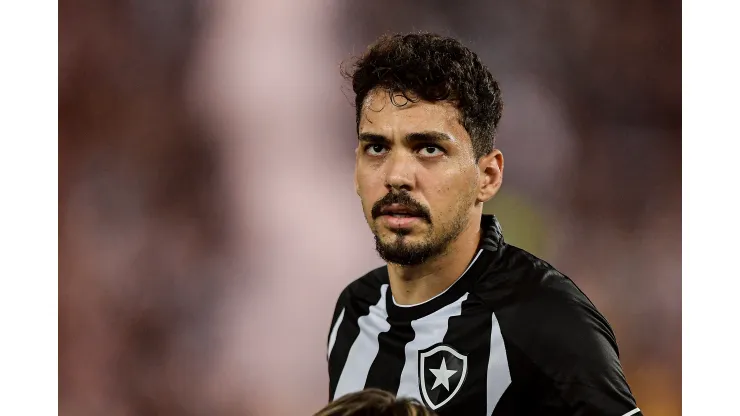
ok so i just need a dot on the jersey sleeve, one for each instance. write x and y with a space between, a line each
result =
572 344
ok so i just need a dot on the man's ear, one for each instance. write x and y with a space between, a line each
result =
491 175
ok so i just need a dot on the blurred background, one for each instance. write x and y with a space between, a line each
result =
202 144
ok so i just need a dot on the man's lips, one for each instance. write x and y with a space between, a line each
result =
399 216
397 210
399 221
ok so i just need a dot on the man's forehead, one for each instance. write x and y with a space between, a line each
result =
384 111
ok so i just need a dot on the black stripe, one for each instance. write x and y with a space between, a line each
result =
470 334
356 300
338 308
385 372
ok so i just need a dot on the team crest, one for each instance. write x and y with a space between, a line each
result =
442 371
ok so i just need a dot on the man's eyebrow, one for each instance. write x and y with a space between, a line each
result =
411 138
373 138
428 136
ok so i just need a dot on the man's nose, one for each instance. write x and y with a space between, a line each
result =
399 173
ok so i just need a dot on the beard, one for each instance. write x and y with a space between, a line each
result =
397 248
403 252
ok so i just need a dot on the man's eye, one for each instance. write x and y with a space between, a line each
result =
375 149
431 151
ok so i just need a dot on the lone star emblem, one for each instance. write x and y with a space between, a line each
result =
447 368
443 375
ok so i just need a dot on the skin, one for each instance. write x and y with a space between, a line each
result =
420 148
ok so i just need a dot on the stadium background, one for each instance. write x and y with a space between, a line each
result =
207 214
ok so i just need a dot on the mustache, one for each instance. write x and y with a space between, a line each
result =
401 198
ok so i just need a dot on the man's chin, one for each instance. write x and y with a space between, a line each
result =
403 253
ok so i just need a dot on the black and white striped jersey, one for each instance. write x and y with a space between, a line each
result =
512 336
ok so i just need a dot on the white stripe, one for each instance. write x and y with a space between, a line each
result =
364 349
632 412
498 378
443 292
428 331
333 336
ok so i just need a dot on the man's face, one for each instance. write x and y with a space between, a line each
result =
416 176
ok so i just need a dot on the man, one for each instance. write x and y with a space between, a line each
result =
458 319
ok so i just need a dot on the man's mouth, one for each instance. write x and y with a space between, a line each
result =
398 211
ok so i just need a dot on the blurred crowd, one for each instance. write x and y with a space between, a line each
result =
207 214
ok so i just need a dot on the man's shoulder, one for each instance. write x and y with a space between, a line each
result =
537 303
366 287
548 322
518 276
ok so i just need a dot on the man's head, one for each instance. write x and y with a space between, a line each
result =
374 402
427 111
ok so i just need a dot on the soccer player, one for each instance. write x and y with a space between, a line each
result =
458 319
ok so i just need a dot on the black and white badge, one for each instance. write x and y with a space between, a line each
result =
442 372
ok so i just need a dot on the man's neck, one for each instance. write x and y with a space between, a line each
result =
411 285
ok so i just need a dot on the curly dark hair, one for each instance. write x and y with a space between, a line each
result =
374 402
432 68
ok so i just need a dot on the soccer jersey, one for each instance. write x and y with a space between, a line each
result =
512 336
